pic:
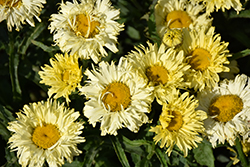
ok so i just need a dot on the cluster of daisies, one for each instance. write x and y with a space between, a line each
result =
190 58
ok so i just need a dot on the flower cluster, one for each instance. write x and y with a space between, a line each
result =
183 73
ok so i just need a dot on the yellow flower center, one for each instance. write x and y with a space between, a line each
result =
45 136
225 107
65 75
178 19
171 120
157 74
173 37
116 95
10 3
85 26
200 59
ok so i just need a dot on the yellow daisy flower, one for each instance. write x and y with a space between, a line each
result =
179 14
16 12
228 109
63 76
45 131
207 56
118 97
86 27
212 5
162 67
180 123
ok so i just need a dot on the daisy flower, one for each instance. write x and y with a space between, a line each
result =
179 123
228 109
179 14
212 5
16 12
86 27
207 56
163 67
45 131
118 97
63 76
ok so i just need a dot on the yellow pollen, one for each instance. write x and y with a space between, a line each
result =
157 74
115 95
45 136
178 19
200 59
171 120
225 107
85 26
173 37
10 3
65 75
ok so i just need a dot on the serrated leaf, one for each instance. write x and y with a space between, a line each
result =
203 154
119 151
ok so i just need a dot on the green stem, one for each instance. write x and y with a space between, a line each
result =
242 157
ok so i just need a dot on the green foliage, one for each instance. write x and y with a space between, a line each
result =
23 53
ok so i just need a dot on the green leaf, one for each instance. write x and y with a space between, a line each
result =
133 33
242 14
161 156
44 47
136 159
119 151
203 154
240 54
11 159
5 117
37 31
73 164
13 70
137 143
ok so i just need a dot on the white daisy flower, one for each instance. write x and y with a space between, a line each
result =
85 28
16 12
118 97
162 67
45 131
228 109
179 14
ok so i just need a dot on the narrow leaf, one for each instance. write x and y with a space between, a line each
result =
242 14
44 47
161 157
119 151
240 54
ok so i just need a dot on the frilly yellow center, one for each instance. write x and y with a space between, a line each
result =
115 96
173 37
225 107
85 26
45 136
200 59
10 3
178 19
171 120
157 74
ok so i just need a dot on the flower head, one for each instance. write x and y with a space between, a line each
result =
163 68
85 28
64 75
118 97
16 12
179 123
207 56
179 14
45 131
228 109
212 5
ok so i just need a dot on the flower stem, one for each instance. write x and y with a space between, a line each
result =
242 157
